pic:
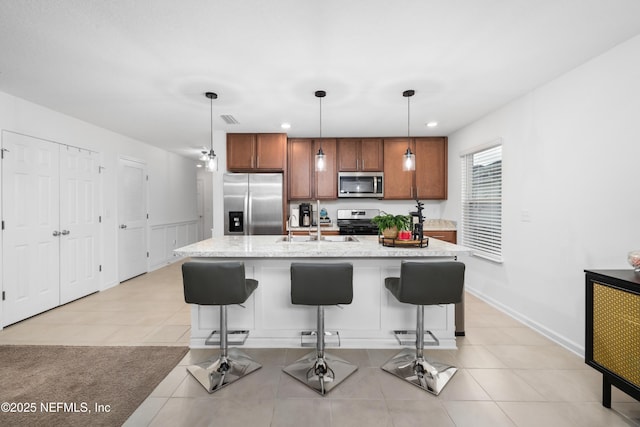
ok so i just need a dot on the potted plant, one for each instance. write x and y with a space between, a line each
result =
389 224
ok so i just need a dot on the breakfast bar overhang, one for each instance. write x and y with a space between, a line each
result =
271 319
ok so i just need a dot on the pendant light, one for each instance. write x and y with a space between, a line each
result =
210 159
321 161
409 159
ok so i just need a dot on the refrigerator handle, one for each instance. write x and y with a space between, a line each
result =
247 212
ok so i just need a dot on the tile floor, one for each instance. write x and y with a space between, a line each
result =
509 375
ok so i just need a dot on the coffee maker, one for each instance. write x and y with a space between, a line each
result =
306 214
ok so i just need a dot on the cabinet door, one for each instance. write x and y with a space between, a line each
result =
371 155
431 168
300 169
447 236
240 151
326 182
348 155
398 184
270 151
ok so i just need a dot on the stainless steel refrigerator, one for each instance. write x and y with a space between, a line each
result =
252 203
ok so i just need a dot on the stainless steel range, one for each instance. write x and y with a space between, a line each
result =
357 221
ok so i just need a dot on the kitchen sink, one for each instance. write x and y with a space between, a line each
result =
314 238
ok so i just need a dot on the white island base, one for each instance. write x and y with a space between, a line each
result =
368 322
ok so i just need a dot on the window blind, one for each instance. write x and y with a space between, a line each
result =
482 202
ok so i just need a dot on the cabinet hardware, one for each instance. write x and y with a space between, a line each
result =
65 232
56 233
123 226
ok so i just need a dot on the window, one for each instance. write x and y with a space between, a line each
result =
482 201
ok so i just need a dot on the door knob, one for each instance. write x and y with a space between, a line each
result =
123 226
65 232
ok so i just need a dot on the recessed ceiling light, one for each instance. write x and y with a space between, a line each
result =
432 124
286 126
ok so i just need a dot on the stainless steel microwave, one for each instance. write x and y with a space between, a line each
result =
361 184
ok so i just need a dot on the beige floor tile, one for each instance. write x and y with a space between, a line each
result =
168 386
362 384
477 414
297 412
357 413
536 414
585 414
505 385
536 357
208 411
410 413
564 385
166 333
475 356
145 412
463 386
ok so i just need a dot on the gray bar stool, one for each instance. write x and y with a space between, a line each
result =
320 285
219 283
424 283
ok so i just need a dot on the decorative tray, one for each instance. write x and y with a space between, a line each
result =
422 243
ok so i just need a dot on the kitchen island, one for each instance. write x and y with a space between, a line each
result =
273 321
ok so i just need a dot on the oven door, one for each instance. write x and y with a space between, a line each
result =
360 184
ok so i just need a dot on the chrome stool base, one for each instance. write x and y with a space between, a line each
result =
215 374
320 374
429 376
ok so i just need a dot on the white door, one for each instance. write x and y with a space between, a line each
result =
79 225
132 219
30 239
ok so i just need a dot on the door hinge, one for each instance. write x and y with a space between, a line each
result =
3 224
147 216
2 295
147 254
99 218
2 152
100 268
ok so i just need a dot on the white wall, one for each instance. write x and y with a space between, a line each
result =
571 152
172 178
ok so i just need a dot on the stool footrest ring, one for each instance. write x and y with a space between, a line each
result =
310 338
408 337
238 337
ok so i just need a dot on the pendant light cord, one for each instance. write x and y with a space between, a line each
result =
211 125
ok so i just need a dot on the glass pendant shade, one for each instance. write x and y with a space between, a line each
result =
211 164
321 161
408 161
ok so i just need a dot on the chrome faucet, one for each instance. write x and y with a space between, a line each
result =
318 220
291 217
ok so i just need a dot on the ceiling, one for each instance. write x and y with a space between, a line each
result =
141 68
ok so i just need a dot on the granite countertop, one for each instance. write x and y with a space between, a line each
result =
439 225
270 247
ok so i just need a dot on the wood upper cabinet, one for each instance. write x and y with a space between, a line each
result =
326 182
398 184
360 154
300 168
256 151
431 168
304 182
428 181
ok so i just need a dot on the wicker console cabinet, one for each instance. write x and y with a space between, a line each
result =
613 329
